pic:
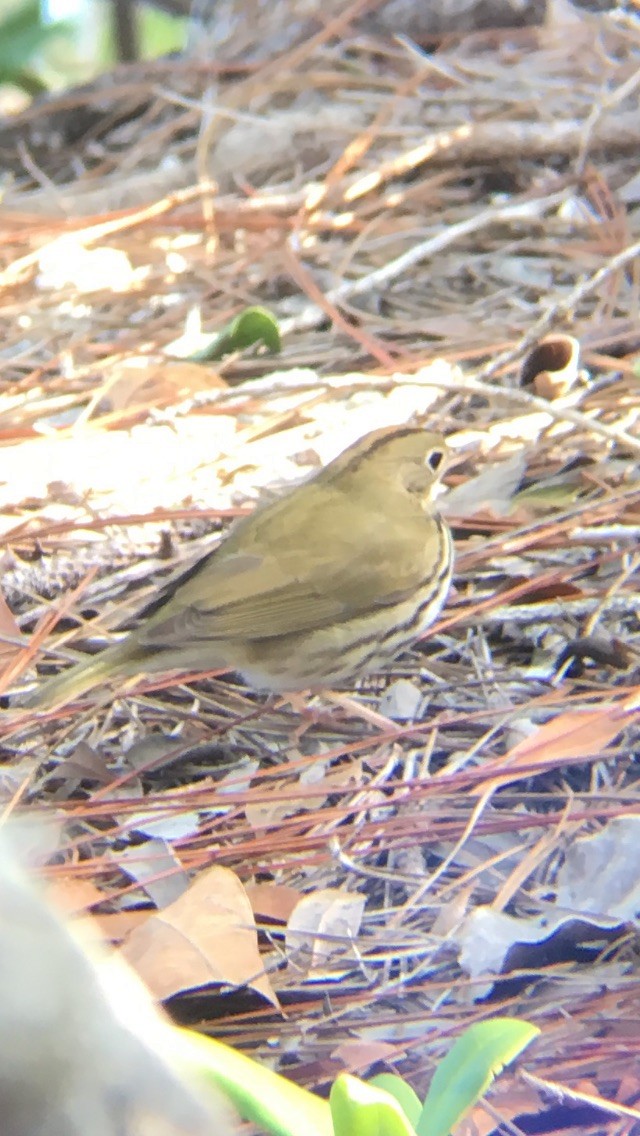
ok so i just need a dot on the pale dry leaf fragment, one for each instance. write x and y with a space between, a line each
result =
231 785
156 868
314 774
86 762
486 936
124 471
322 924
155 751
565 23
116 926
410 861
488 856
66 261
523 430
449 326
600 875
164 825
492 943
207 936
238 780
401 701
402 1029
529 273
342 777
493 489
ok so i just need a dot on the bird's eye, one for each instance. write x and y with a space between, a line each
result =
435 459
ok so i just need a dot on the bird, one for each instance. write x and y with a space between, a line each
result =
326 583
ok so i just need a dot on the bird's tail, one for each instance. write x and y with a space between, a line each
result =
114 662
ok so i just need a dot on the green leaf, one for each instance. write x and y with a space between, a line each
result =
28 81
22 35
408 1100
359 1108
259 1094
556 494
468 1069
253 325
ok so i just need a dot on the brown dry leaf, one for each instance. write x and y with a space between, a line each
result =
262 814
554 591
273 901
206 936
73 896
551 366
8 630
8 625
322 924
569 735
451 913
344 775
116 926
356 1053
510 1098
340 778
136 382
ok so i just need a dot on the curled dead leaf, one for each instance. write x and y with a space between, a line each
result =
207 936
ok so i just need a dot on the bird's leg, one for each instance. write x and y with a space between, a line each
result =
299 703
355 709
298 700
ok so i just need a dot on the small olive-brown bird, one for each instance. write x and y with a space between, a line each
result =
325 583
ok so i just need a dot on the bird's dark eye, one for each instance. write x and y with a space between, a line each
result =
435 460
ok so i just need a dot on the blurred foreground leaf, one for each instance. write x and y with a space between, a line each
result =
468 1069
23 35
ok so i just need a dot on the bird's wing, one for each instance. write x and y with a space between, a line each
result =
238 594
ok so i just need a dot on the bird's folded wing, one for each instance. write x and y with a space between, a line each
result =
249 597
